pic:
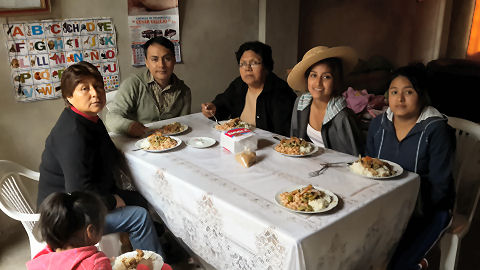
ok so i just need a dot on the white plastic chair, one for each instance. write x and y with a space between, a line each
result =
466 173
108 104
16 203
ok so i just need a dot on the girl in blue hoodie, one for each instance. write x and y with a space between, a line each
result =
417 137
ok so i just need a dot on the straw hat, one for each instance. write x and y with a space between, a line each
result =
296 77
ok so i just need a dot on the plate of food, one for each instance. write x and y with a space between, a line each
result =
156 142
201 142
231 124
295 147
307 199
375 168
171 129
130 260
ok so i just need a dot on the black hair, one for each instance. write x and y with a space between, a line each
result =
165 42
335 65
63 215
74 74
416 73
259 48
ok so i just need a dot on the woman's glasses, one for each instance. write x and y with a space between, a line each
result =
252 64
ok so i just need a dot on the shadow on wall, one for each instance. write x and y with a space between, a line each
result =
452 83
372 75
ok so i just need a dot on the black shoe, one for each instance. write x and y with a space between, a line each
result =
174 252
160 228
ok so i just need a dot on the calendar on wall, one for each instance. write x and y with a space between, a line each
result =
39 52
150 19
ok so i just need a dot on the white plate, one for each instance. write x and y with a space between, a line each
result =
328 192
315 149
201 142
224 121
138 144
398 171
183 128
157 260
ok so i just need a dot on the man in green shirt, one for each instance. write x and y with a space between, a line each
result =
152 95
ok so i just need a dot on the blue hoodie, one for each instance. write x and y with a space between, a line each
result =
428 150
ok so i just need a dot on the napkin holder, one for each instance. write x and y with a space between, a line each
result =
238 139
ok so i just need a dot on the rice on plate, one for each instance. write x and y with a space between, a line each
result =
130 260
307 199
294 146
372 167
158 142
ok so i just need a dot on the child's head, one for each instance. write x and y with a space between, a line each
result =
71 220
417 77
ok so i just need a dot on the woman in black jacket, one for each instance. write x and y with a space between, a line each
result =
80 156
258 96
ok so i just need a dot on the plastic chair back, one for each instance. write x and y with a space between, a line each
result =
466 167
15 202
108 104
467 179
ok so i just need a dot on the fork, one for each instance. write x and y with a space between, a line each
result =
326 166
213 115
318 172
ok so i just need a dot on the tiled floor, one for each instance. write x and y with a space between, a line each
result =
14 251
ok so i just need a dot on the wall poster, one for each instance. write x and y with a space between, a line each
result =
39 52
148 19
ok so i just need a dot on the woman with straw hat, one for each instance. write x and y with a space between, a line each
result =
321 115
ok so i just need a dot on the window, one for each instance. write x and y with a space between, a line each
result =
473 49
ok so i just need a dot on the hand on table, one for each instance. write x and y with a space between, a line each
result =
136 129
208 109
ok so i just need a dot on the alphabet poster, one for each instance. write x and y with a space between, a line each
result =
39 52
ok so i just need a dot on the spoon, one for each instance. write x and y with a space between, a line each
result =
277 138
213 115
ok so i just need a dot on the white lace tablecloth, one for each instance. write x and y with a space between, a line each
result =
227 213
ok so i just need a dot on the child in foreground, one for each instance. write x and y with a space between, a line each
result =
72 224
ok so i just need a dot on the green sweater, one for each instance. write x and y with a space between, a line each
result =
135 101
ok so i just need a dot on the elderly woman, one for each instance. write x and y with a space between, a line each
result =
321 115
258 96
80 156
418 138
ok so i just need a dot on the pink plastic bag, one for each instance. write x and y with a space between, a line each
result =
357 100
361 101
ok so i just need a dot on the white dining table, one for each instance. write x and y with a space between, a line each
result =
227 214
